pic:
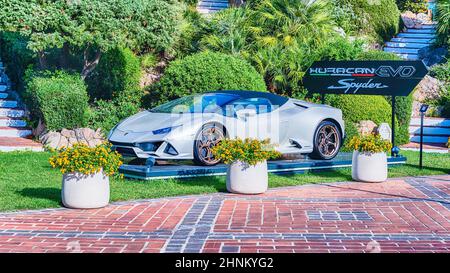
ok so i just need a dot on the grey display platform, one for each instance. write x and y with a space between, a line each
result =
300 165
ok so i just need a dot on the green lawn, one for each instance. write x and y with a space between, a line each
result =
28 182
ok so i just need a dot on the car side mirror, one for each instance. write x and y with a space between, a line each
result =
245 113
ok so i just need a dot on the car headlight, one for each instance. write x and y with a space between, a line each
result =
164 130
112 131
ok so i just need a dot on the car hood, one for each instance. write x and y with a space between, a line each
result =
147 121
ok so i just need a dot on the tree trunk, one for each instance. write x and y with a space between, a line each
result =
65 51
42 60
89 65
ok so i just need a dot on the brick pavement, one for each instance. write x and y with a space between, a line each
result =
400 215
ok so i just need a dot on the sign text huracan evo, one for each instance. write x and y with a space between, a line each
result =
394 78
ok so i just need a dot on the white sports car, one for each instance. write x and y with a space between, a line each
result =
188 127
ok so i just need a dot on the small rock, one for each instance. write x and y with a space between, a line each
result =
63 142
52 140
409 19
366 127
98 134
67 133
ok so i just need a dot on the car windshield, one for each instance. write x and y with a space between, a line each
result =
207 103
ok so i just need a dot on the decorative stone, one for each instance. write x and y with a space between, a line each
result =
366 127
67 138
52 140
98 134
384 131
67 133
408 18
429 89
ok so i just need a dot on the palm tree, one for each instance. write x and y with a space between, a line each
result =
292 22
285 32
229 32
443 18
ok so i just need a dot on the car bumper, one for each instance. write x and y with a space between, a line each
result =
162 150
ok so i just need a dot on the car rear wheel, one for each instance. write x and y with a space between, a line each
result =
327 141
208 137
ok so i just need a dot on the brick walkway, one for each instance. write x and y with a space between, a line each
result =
401 215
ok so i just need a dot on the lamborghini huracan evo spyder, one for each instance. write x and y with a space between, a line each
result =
188 127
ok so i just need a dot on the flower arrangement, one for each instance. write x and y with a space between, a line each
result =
86 160
250 151
371 143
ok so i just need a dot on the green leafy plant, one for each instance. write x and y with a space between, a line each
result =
148 60
415 6
443 19
204 72
92 26
250 151
58 98
371 143
83 159
379 19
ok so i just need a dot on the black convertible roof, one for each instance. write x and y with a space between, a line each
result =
273 98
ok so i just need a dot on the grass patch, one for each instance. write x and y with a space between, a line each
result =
28 182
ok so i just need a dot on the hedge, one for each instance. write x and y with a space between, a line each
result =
204 72
58 98
118 73
360 107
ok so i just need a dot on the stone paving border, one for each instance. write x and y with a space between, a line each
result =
407 215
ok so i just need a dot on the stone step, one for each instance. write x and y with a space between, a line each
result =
430 139
212 5
430 131
401 50
3 88
428 26
422 31
8 103
8 144
3 95
406 45
14 132
412 40
411 57
12 112
206 11
416 36
435 122
12 122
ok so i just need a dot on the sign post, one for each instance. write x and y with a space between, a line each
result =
423 110
385 78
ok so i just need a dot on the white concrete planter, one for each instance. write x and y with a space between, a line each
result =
80 191
369 167
246 179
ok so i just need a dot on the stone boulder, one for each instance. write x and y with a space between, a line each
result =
428 89
67 138
366 127
409 19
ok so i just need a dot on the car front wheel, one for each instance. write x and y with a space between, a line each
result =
208 137
327 141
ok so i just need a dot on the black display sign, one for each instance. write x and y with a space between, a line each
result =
394 78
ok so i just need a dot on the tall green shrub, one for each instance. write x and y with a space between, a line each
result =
117 74
360 107
204 72
58 98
